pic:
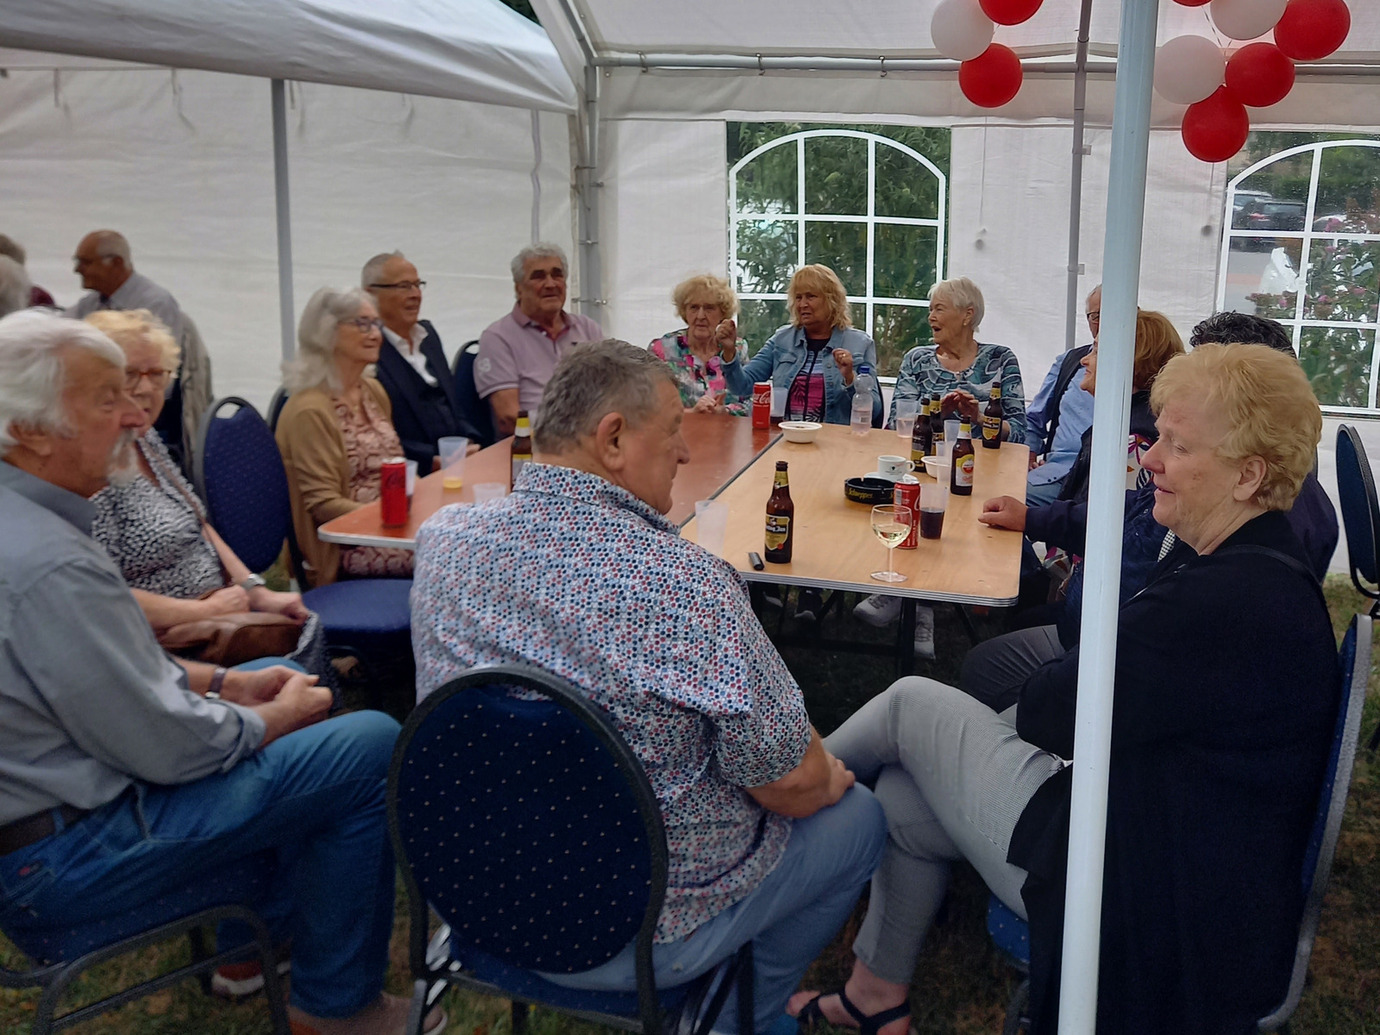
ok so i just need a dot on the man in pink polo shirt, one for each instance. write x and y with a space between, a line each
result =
518 353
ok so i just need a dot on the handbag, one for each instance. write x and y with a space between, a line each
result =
233 639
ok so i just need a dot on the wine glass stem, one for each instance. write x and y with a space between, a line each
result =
890 562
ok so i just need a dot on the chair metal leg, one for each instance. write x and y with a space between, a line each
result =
519 1014
747 980
417 1011
1018 1011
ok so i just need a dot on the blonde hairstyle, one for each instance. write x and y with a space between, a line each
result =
1266 403
961 293
1157 342
825 283
316 331
126 327
718 289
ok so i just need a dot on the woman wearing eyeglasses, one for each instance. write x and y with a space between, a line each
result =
335 431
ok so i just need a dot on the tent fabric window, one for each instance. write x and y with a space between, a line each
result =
1302 246
868 206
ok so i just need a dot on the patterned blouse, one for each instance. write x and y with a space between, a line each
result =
152 529
694 376
923 374
369 440
583 579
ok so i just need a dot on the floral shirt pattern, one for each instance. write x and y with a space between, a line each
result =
583 579
922 374
369 441
694 376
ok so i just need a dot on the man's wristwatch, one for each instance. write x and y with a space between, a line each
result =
217 681
251 582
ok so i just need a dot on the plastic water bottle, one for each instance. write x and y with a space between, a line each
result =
864 384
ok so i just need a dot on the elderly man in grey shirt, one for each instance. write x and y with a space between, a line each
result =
126 776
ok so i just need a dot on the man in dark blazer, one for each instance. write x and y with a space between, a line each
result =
412 365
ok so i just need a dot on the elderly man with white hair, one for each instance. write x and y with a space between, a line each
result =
125 775
518 353
15 288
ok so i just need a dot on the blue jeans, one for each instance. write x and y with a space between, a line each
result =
789 918
315 798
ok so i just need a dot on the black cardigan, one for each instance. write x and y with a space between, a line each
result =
1227 687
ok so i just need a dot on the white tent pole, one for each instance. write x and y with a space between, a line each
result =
280 195
588 186
1111 417
536 175
1072 310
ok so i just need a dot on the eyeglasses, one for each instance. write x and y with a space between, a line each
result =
402 285
1095 316
157 377
364 324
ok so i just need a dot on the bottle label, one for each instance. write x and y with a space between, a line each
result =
963 472
778 528
991 427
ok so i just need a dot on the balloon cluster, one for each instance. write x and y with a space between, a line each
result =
989 74
1218 89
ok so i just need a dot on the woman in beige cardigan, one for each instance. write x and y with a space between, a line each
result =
335 431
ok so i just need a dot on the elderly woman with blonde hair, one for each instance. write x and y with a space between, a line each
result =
811 360
961 369
1225 695
704 302
335 431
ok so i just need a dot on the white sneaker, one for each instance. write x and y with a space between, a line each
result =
878 610
924 632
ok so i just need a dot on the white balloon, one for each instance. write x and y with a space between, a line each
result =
960 29
1246 19
1188 69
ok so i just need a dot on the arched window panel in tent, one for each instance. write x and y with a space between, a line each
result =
869 206
1302 246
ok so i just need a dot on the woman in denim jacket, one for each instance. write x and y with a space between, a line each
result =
811 360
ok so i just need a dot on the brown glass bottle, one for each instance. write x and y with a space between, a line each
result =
780 519
921 435
522 446
992 417
961 470
936 417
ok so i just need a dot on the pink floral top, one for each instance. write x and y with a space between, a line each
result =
370 439
694 376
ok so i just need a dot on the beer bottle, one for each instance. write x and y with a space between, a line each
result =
936 418
780 518
921 436
992 418
961 469
522 446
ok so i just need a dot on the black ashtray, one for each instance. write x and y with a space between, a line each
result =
871 491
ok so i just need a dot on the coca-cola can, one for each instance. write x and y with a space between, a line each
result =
761 404
907 494
393 491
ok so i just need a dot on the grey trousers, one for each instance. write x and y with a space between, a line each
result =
995 669
953 777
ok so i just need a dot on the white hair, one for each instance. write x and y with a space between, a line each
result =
540 250
373 269
31 369
961 293
321 318
111 244
14 286
9 246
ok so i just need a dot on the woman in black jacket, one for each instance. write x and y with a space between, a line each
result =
1224 701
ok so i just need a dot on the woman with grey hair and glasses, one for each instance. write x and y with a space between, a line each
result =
335 431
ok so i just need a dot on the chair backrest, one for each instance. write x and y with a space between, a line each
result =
473 408
239 473
519 812
1327 825
1360 512
275 407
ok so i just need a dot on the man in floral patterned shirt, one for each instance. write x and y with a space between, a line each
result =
578 572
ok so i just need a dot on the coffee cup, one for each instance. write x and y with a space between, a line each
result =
894 467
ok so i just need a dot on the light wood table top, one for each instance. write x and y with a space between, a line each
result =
720 447
834 545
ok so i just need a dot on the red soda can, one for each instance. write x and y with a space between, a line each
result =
393 490
761 404
907 494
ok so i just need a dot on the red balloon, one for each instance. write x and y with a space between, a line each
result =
1215 129
1260 75
1009 12
992 78
1312 29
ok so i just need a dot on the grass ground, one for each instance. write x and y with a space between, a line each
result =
961 985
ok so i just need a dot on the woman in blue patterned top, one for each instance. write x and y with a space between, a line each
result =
958 366
704 302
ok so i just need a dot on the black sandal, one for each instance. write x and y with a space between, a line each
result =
868 1024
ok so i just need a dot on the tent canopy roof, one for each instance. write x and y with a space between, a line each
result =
471 50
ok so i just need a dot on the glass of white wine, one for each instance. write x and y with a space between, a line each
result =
891 524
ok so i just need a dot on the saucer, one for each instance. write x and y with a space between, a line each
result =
905 479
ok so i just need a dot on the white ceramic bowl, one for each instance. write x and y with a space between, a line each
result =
937 467
800 430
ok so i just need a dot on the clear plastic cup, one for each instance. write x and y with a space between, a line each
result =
934 501
486 491
452 449
711 522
